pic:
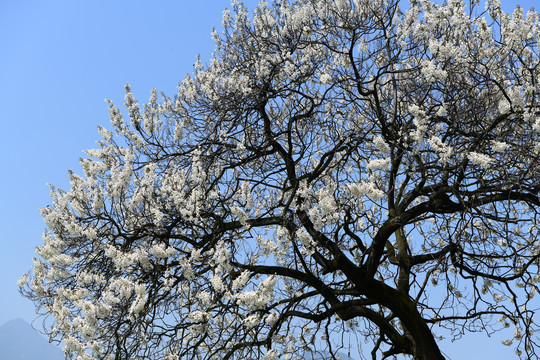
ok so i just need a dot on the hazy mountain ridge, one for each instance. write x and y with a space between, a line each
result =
19 341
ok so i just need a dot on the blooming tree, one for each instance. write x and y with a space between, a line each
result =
340 173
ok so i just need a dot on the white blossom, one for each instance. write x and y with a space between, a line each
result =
140 301
271 319
325 78
381 145
443 150
498 146
251 321
378 164
480 159
366 189
241 280
271 355
306 240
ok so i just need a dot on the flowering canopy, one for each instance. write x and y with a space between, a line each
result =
339 167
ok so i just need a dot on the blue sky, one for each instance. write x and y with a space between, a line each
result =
59 60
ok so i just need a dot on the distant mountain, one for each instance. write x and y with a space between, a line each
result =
18 341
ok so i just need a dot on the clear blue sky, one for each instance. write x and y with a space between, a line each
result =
59 60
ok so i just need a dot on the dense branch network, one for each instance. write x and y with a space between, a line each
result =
340 170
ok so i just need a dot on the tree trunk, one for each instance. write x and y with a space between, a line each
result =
424 345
